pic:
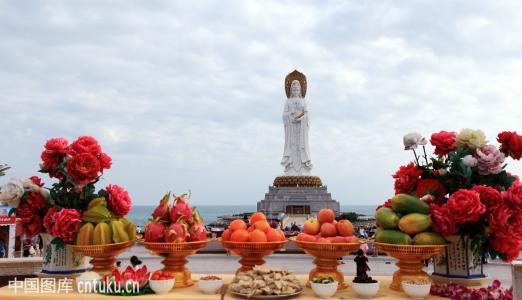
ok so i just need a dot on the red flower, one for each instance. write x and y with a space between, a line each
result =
121 279
505 221
406 179
49 220
66 223
489 196
83 168
509 247
27 211
514 194
86 144
511 144
444 142
385 204
442 221
465 206
431 187
33 226
35 200
36 180
55 150
119 201
105 161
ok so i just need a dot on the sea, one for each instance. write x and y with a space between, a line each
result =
210 213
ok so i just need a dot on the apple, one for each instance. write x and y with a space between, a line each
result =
326 215
328 230
312 226
344 228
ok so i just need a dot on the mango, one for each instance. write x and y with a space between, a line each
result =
386 218
414 223
403 203
428 238
391 236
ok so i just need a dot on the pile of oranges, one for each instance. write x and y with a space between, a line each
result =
259 231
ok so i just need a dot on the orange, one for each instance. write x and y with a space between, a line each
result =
262 225
239 235
237 225
281 234
226 235
257 236
274 236
257 216
251 228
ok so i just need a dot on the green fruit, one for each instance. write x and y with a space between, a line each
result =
96 214
119 235
391 236
414 223
428 238
386 218
403 203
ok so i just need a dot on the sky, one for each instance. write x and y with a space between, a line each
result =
189 94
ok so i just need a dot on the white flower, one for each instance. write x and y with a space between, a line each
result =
470 138
412 140
11 193
469 161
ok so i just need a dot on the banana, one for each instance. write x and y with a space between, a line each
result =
96 214
97 201
119 235
102 234
85 234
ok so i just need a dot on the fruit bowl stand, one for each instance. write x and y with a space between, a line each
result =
252 253
175 258
103 256
410 261
326 255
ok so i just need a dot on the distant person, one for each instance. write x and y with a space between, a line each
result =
135 262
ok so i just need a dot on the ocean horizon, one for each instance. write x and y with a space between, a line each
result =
140 214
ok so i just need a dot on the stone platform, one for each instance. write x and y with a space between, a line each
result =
297 200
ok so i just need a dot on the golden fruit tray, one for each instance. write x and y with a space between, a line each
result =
326 255
103 256
175 258
251 253
410 261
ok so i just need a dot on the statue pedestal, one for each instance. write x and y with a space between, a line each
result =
300 195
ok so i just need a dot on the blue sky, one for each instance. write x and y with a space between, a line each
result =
189 94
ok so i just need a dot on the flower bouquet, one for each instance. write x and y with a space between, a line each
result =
473 201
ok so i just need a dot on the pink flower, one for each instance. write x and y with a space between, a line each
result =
514 194
489 196
55 150
86 144
444 142
505 221
489 160
66 224
119 201
83 168
443 222
465 206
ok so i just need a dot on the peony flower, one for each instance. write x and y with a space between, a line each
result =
505 221
444 142
470 138
385 204
514 194
55 151
83 168
443 222
406 179
105 161
11 193
49 220
465 206
66 224
431 187
33 227
119 201
35 200
469 161
509 247
86 144
489 160
511 144
489 196
36 181
412 140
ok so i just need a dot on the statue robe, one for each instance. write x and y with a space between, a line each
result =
296 156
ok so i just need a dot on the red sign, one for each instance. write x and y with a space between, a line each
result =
7 220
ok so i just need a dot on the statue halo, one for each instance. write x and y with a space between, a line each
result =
295 75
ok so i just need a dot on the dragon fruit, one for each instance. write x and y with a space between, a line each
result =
176 232
197 230
181 209
162 211
154 232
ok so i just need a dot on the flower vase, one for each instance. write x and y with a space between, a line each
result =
459 263
59 259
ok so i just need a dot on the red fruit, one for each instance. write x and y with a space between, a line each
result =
181 209
237 225
344 228
323 240
328 230
325 215
155 276
162 211
262 225
274 236
312 226
257 216
351 239
154 232
176 233
226 235
257 236
300 236
240 235
338 239
309 238
197 230
281 234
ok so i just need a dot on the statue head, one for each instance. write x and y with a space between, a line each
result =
289 84
295 89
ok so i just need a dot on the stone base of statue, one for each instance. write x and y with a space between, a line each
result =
297 195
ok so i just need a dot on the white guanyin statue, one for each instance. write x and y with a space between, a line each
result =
296 156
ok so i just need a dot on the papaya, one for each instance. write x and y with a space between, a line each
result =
386 218
403 203
414 223
391 236
428 238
